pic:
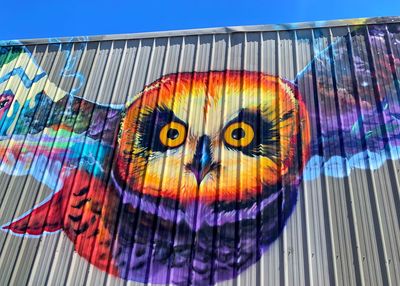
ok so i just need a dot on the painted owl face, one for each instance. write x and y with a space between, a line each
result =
226 136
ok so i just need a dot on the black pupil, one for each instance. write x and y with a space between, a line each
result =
172 133
3 103
238 133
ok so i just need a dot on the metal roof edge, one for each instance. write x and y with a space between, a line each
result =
208 31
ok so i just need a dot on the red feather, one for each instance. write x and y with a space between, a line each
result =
79 209
46 217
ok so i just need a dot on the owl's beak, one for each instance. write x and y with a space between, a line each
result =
202 162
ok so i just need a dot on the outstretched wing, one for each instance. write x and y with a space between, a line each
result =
63 141
352 92
76 209
44 131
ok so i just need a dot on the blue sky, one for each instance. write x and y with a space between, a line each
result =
53 18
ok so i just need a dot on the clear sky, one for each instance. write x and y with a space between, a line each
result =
53 18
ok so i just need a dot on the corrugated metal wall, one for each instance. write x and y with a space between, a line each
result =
345 227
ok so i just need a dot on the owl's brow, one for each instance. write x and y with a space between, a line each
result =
159 114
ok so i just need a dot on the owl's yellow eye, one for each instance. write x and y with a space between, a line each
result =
239 134
173 134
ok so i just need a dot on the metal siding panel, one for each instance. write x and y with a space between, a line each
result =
60 268
12 203
373 252
345 228
270 262
389 223
112 55
29 246
252 62
47 244
342 242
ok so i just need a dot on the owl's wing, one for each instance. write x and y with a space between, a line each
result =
351 90
44 131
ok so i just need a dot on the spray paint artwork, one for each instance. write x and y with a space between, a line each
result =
208 219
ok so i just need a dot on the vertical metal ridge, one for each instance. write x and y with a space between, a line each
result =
270 262
329 82
202 62
223 44
224 176
302 55
298 250
318 244
340 278
285 71
176 67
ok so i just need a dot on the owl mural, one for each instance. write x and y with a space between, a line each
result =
189 182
